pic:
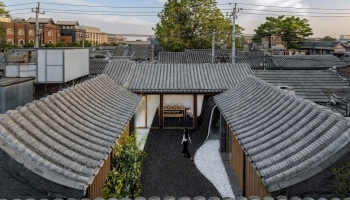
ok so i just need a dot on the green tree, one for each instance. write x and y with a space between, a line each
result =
293 29
329 39
124 180
188 24
49 45
29 44
61 44
87 43
3 13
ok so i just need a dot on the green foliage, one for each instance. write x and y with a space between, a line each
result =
29 44
329 39
124 180
3 13
341 185
217 124
61 44
87 43
293 29
187 24
49 45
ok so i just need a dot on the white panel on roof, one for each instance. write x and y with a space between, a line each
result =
55 73
69 65
55 57
11 70
85 62
41 53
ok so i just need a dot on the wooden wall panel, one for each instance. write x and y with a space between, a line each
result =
237 160
253 185
95 189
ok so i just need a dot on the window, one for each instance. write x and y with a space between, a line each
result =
9 31
20 32
31 40
20 42
9 41
31 32
50 33
50 41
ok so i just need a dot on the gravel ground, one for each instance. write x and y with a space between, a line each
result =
166 173
209 163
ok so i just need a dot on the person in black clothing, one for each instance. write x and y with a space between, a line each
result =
185 139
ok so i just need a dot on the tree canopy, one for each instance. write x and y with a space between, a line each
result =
293 29
3 12
188 24
329 39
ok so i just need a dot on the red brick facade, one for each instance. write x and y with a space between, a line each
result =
21 33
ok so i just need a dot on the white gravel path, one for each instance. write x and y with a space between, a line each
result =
209 163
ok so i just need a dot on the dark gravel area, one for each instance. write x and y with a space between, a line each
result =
178 122
166 173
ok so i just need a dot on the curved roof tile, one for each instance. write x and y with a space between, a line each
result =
67 136
285 138
177 78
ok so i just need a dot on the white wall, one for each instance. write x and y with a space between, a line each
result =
140 115
200 98
153 102
185 99
24 70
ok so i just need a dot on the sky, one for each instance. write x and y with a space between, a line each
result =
111 15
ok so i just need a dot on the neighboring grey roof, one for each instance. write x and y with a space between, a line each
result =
40 20
345 58
306 62
65 138
308 84
140 52
320 45
177 78
97 66
4 82
67 23
120 70
254 58
286 139
137 42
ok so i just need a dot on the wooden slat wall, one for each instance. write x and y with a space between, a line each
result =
237 160
253 185
95 189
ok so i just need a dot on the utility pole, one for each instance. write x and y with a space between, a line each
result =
213 48
37 12
233 14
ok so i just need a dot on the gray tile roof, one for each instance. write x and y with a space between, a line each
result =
140 52
287 139
319 45
345 58
40 20
177 78
69 23
306 62
67 136
97 66
308 84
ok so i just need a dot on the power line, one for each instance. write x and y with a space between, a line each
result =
100 6
19 4
296 7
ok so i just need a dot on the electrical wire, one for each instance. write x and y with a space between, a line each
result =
20 4
296 7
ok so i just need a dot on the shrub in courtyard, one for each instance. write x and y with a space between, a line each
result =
124 180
